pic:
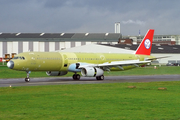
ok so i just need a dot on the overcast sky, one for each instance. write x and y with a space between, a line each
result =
94 16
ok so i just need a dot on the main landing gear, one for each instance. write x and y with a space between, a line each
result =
76 77
27 79
100 77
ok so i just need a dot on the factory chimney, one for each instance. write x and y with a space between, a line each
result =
117 27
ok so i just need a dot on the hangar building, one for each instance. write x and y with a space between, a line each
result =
22 42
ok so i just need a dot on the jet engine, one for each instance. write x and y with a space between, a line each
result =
56 73
91 72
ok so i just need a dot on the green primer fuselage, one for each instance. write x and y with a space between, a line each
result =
60 61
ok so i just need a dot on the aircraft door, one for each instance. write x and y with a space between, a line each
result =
65 61
33 61
102 59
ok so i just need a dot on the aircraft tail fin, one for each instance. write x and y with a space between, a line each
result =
146 44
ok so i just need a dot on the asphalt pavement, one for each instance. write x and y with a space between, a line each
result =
86 80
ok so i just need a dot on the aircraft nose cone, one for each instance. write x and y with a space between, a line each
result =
10 64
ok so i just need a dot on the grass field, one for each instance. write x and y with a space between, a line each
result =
5 72
1 63
92 101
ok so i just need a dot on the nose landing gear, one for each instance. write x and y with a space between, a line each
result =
27 79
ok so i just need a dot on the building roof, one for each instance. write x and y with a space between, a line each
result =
97 48
96 37
155 48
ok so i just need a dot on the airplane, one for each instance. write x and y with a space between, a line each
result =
88 64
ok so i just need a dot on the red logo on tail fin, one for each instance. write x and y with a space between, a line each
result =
146 44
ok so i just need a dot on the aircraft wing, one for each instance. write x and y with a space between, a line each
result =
118 64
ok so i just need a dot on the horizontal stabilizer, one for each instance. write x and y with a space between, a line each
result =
158 58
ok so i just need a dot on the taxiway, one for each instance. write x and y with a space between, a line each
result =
85 80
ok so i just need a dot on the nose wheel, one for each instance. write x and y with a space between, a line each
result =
27 79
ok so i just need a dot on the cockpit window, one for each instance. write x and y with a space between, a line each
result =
15 58
19 57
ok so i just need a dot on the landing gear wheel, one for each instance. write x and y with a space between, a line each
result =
76 77
100 77
27 79
97 78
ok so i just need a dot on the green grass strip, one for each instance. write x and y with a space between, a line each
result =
92 101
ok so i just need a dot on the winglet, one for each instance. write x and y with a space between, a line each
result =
146 44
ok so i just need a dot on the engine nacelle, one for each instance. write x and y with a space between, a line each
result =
56 73
91 72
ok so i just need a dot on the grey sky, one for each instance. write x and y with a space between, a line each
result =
90 16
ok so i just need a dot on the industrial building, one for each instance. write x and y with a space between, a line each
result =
157 39
11 43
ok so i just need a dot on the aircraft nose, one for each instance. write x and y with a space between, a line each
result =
10 64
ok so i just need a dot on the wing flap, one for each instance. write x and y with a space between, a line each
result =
116 64
127 62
